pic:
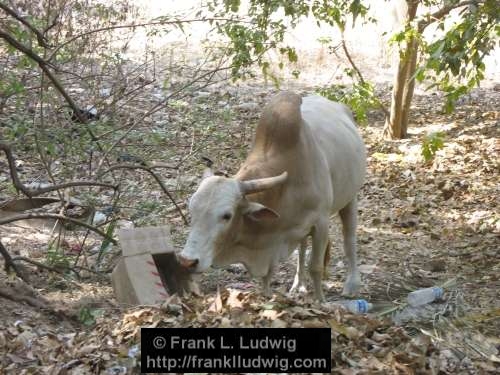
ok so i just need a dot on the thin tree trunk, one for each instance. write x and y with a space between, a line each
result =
392 127
409 87
402 92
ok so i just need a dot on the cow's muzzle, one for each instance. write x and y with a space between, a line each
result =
189 264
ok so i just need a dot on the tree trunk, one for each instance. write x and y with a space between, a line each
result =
396 124
409 86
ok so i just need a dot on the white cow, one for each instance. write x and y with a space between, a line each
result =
307 162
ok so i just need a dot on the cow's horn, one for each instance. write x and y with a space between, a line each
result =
207 172
254 186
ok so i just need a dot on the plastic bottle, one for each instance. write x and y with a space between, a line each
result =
356 306
424 296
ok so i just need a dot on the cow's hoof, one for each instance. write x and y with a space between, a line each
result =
298 289
351 286
319 297
266 292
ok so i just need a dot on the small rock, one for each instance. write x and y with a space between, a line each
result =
435 236
247 107
437 265
172 308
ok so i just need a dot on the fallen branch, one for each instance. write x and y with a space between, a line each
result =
35 192
38 264
22 298
37 301
156 177
29 216
61 270
9 262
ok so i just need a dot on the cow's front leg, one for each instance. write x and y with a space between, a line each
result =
266 281
348 215
316 264
299 283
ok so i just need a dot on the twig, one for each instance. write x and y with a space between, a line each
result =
162 165
27 216
38 264
156 177
35 192
351 61
41 150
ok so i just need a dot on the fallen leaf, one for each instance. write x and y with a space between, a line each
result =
216 306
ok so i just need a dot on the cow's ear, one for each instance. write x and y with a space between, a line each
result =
258 212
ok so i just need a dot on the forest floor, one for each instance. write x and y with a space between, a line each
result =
420 224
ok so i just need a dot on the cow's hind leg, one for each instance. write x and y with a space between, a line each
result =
299 283
317 261
348 215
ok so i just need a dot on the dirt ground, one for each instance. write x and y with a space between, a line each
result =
420 224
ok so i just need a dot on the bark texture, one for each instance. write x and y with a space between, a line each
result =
396 124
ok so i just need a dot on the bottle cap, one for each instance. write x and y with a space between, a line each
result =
363 305
438 292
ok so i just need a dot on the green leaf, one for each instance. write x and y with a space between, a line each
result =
87 316
106 242
431 144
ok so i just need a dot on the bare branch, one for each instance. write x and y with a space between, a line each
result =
28 216
40 265
43 64
348 55
157 107
35 192
39 36
133 26
156 177
360 76
443 12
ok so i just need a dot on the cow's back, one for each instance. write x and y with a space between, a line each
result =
339 142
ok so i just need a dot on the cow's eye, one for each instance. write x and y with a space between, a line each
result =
227 216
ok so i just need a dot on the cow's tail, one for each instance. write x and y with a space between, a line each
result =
326 260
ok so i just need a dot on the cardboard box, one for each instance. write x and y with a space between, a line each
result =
148 271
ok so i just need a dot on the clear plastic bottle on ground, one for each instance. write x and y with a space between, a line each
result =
424 296
356 306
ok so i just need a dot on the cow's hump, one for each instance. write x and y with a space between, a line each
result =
279 125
